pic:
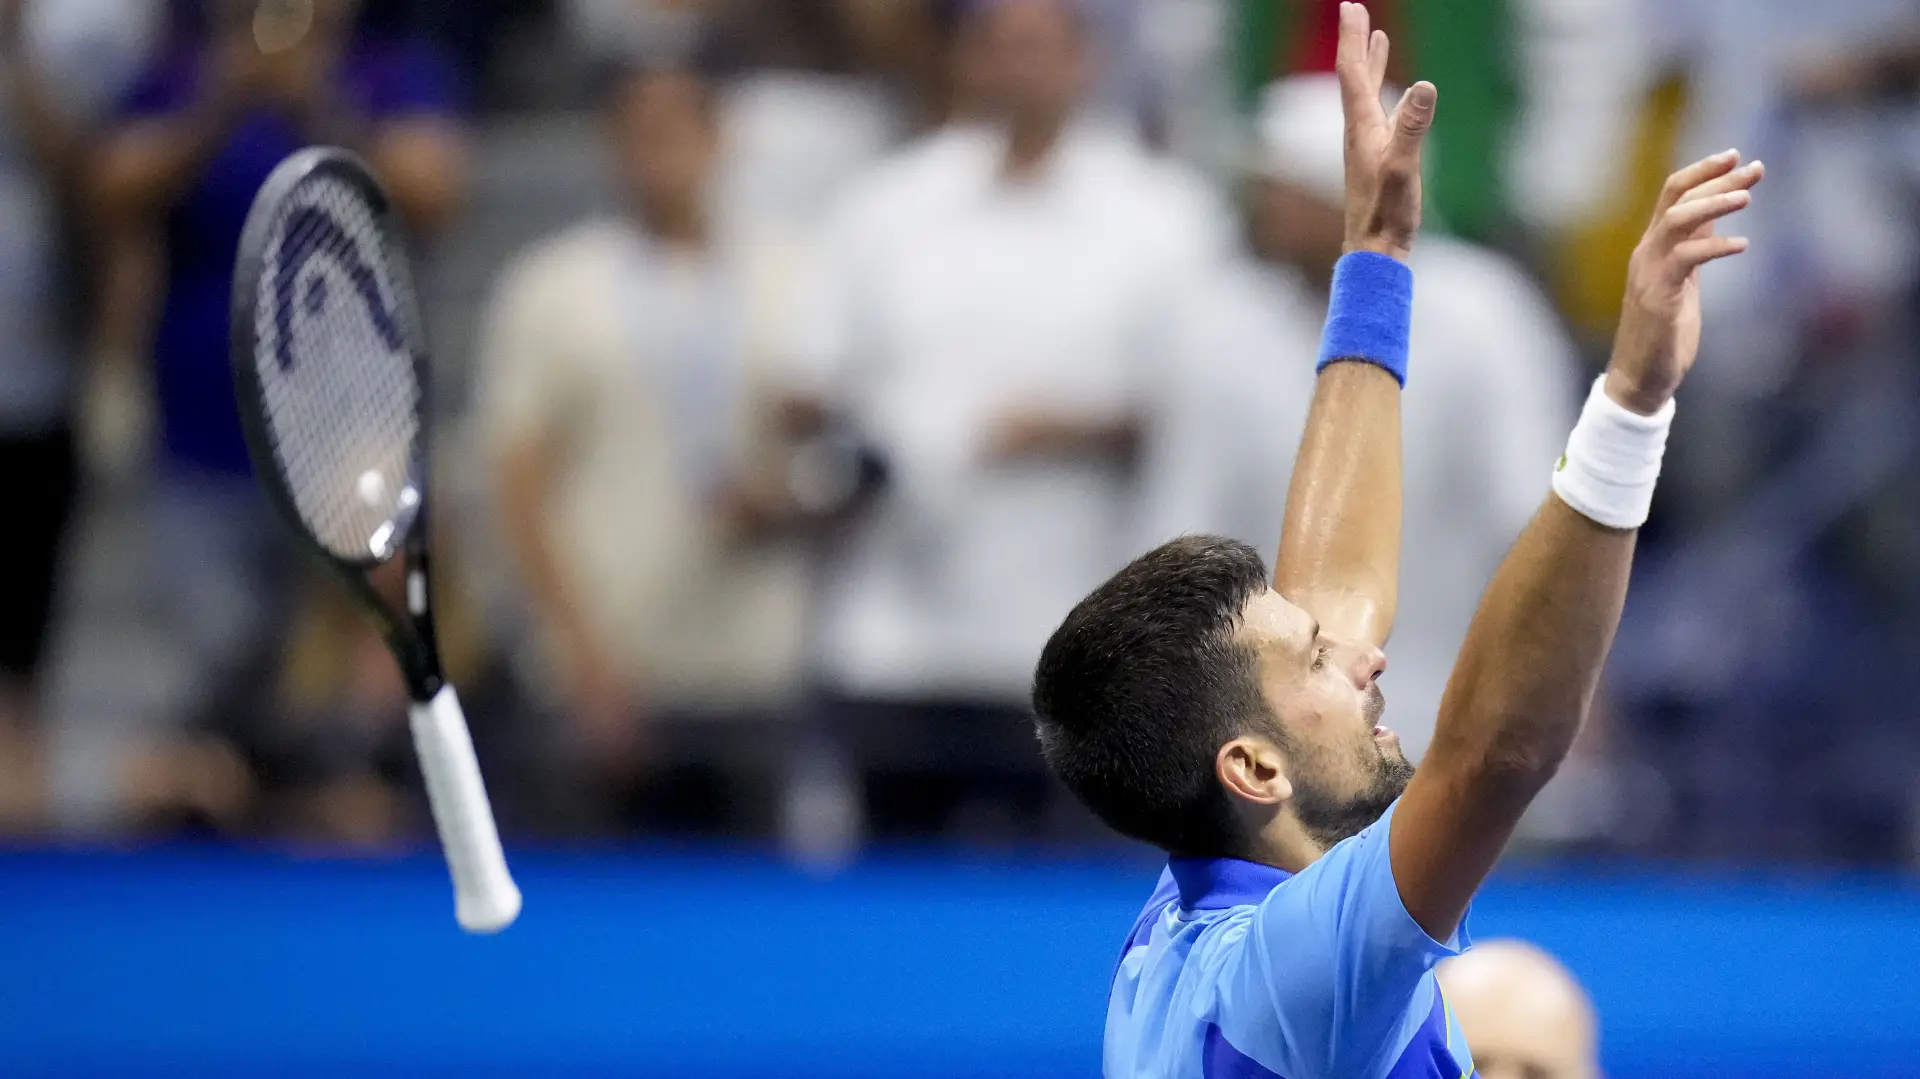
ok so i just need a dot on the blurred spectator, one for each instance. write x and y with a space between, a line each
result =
61 64
201 131
638 471
816 90
1490 395
1523 1014
1838 236
994 324
1788 514
821 89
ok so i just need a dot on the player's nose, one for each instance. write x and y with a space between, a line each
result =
1369 663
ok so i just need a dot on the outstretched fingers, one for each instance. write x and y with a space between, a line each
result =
1359 82
1693 254
1685 221
1693 176
1743 178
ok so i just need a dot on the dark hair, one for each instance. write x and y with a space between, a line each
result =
1141 685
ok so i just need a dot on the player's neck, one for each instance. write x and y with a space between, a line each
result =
1282 843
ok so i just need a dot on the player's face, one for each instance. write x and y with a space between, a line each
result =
1345 768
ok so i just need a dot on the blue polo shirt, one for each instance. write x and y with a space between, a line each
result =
1237 970
384 79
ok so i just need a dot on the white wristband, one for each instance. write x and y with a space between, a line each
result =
1612 461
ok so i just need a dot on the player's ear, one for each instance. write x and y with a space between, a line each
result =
1253 768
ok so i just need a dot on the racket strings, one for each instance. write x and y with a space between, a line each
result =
335 355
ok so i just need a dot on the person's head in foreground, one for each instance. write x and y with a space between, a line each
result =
1522 1012
1191 706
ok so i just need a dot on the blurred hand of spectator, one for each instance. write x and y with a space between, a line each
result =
414 146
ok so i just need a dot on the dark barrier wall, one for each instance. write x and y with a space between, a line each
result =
211 963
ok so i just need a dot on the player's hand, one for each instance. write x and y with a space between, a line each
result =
1383 151
1659 334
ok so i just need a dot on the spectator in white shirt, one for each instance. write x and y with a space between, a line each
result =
1491 390
634 459
998 299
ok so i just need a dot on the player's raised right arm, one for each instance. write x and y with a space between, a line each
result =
1532 658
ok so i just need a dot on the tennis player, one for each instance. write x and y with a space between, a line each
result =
1316 878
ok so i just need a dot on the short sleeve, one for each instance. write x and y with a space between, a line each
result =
1331 977
527 380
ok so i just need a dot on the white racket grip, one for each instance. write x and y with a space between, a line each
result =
485 897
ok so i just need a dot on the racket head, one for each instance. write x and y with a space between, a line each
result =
330 359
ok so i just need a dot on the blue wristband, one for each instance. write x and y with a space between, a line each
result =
1370 315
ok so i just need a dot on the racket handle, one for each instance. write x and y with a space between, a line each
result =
485 897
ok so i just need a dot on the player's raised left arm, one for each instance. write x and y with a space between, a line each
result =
1340 544
1532 658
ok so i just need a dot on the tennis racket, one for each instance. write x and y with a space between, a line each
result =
331 369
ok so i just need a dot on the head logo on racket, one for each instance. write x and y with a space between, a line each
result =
308 233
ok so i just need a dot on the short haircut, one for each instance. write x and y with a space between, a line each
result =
1139 688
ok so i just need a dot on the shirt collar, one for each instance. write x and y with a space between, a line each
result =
1219 883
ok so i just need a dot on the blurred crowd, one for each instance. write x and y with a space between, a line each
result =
801 362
